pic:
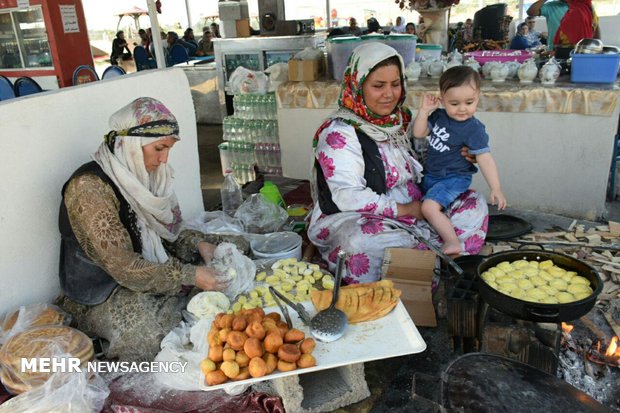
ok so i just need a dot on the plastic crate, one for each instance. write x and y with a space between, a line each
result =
594 68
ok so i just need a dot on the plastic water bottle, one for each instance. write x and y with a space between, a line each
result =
231 194
272 193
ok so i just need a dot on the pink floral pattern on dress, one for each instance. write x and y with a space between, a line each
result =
333 256
327 165
392 177
458 231
359 264
336 140
389 212
485 225
372 208
323 234
414 191
467 202
474 244
372 227
407 220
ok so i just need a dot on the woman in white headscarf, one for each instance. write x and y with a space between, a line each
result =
365 173
400 26
124 260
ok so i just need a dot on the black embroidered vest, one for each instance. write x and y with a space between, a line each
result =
374 174
80 278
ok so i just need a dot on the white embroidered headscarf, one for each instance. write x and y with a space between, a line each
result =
150 195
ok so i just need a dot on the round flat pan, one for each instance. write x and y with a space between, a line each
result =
504 227
486 383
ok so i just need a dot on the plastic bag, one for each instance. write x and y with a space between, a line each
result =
309 53
215 222
243 80
62 393
278 73
260 216
228 259
29 316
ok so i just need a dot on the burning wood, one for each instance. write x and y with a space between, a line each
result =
567 328
609 357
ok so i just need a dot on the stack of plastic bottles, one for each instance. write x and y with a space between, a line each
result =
252 136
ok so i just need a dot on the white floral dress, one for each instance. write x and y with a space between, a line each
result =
365 237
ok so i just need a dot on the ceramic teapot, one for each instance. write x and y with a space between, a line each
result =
486 69
499 72
436 68
549 72
528 71
456 56
413 70
471 62
424 63
513 68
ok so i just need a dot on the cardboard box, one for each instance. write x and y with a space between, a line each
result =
304 70
235 28
412 273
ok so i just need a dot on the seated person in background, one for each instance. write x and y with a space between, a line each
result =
188 36
468 31
373 26
215 30
400 25
553 11
410 28
353 28
447 175
364 168
205 45
124 261
579 22
119 44
535 37
520 41
173 38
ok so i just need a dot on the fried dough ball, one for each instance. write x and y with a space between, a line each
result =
244 373
242 359
271 361
273 329
266 322
253 347
216 353
294 335
213 338
229 354
307 346
283 327
257 367
218 319
256 330
286 366
215 377
207 366
226 321
236 339
223 334
239 323
273 342
273 316
230 369
306 360
289 352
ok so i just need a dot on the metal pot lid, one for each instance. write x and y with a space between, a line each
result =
504 227
478 382
276 242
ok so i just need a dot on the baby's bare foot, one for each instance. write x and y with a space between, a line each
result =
453 250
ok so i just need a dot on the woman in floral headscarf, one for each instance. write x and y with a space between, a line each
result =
364 172
124 260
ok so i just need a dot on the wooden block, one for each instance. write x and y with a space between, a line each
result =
570 237
549 234
580 228
602 228
614 227
489 249
500 248
608 254
593 239
591 230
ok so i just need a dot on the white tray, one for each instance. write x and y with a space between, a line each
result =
391 336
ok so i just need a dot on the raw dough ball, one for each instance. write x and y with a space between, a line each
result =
564 297
208 303
559 284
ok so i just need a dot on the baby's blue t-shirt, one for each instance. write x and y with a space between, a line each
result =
446 139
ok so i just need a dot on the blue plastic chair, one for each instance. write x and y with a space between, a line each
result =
25 86
142 59
6 89
84 74
178 54
113 71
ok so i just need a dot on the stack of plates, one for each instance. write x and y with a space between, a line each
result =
38 342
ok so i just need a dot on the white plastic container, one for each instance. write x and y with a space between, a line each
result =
429 51
277 245
405 45
339 50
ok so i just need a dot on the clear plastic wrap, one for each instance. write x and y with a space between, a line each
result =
243 80
259 216
227 259
30 316
215 222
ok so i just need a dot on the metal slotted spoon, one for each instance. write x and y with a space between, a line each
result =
330 324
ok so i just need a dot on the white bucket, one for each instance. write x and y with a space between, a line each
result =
292 246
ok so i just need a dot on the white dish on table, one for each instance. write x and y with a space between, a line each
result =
391 336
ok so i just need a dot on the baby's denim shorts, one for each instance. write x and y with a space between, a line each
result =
445 189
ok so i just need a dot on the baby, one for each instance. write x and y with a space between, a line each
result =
447 173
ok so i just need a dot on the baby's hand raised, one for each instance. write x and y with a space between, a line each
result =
429 103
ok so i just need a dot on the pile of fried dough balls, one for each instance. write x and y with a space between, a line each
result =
540 282
251 344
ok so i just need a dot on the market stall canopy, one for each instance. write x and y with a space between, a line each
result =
134 12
